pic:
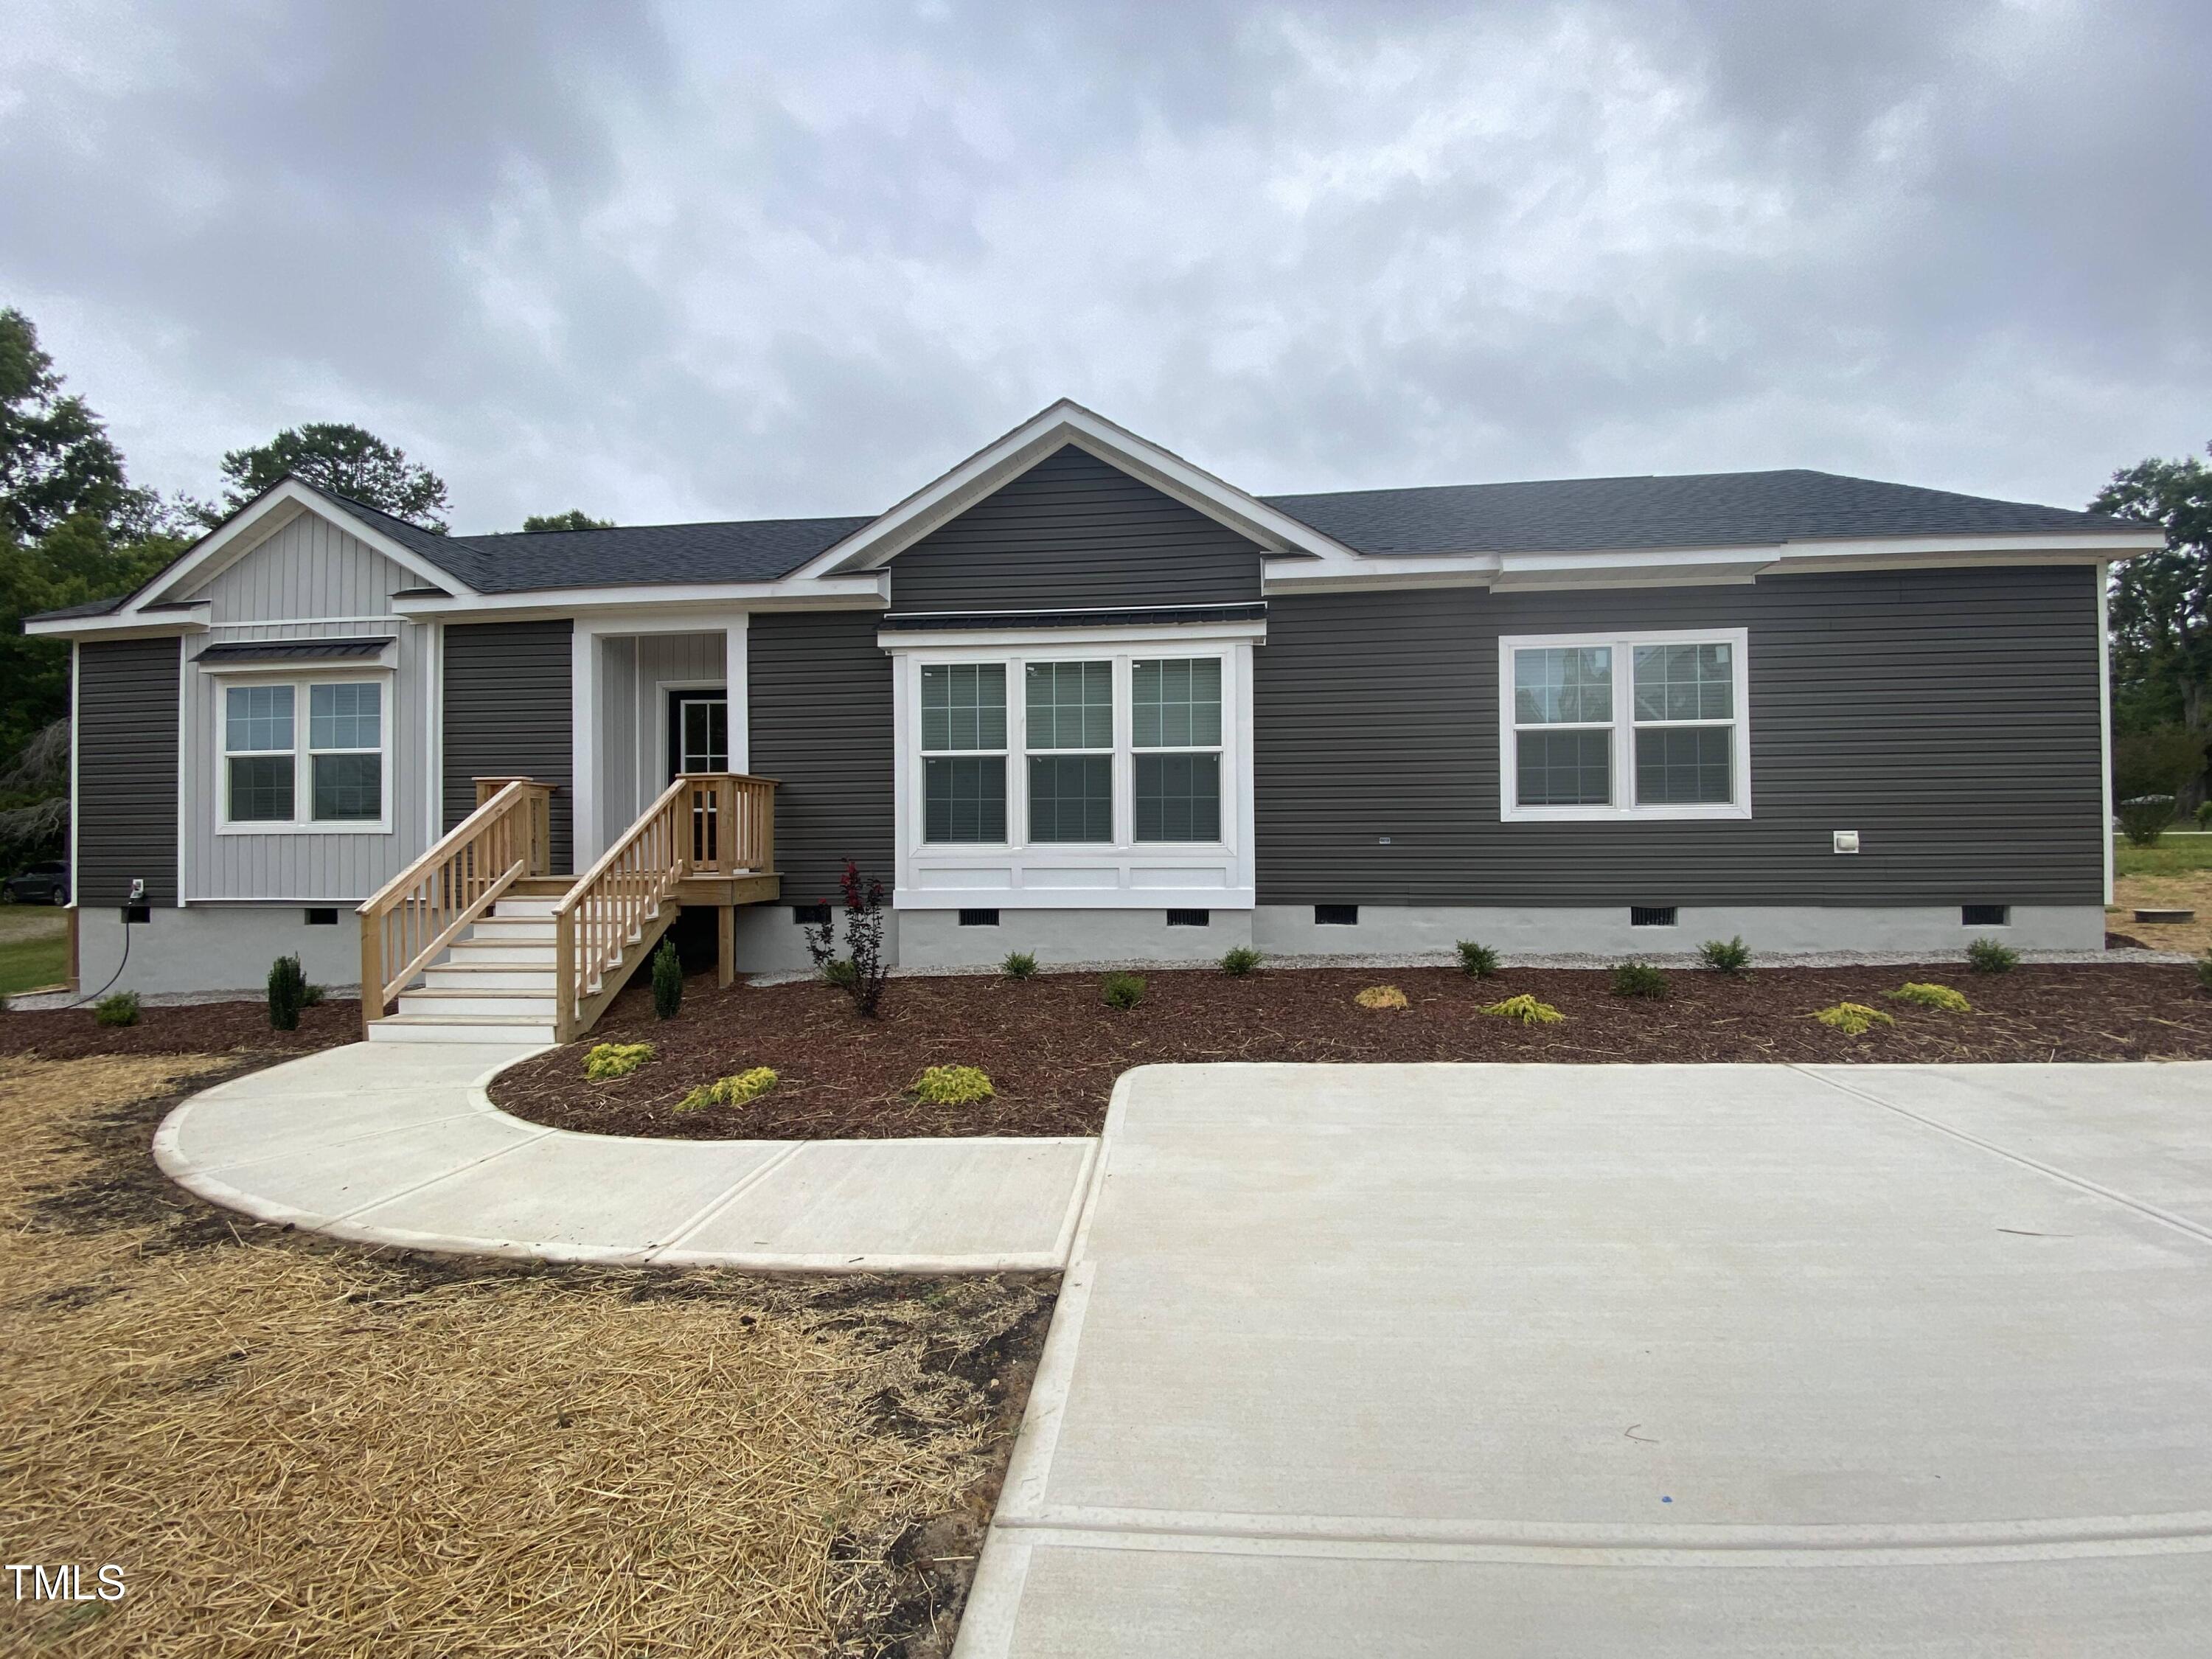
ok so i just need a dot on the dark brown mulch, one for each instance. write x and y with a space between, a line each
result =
201 1027
1053 1049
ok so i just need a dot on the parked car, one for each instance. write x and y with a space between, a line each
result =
42 884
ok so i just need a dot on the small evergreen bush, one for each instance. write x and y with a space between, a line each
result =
1853 1019
1124 990
1526 1009
2204 969
840 972
1932 996
953 1085
730 1091
2145 818
1381 996
2204 815
1986 956
1240 962
1018 964
1727 956
608 1061
288 993
121 1009
1476 961
667 981
1638 979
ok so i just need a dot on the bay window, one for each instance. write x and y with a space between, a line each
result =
278 777
1637 725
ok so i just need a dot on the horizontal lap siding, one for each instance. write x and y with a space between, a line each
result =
126 770
1950 717
506 715
820 706
1074 533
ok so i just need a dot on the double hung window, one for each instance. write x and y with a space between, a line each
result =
963 744
1070 721
1625 726
1175 705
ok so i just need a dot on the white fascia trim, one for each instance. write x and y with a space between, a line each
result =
263 517
866 592
116 625
1065 423
904 642
2105 715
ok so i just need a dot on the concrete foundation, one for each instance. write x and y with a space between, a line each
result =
935 938
216 947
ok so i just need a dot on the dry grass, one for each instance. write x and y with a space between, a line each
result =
2187 889
292 1448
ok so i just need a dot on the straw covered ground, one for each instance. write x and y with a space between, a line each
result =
290 1447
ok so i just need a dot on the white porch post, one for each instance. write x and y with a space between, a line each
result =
584 745
738 690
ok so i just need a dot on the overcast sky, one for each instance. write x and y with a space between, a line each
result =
704 261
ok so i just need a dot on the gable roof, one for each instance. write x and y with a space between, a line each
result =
1703 509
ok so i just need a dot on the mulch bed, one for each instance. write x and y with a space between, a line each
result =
203 1027
1053 1047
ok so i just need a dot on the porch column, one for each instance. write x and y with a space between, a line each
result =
735 688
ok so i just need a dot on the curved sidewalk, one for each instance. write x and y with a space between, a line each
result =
398 1145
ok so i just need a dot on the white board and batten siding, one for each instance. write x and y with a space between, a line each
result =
309 581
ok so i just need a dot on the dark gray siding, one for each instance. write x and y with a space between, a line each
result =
1950 717
1073 533
821 712
126 770
506 715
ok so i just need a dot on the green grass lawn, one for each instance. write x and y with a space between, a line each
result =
33 947
2174 855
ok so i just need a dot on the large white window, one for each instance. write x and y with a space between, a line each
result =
1625 726
963 746
331 775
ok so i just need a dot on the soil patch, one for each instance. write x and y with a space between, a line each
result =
289 1444
200 1028
1053 1047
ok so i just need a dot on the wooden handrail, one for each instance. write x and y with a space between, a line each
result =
702 825
424 907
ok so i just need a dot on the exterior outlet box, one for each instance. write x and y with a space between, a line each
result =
1847 840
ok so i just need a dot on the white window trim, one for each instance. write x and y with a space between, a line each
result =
303 777
1020 874
1624 809
1004 754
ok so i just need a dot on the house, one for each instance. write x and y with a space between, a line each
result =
1080 698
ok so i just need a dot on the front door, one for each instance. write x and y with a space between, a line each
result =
698 732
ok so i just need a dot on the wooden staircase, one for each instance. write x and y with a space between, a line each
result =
475 943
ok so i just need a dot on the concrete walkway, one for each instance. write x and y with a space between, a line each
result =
1651 1361
398 1145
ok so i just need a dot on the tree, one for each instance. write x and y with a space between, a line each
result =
344 459
574 519
2162 602
56 461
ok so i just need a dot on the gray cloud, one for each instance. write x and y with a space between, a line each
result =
698 261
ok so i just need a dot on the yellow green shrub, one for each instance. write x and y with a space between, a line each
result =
1526 1009
953 1085
1853 1019
613 1059
1380 996
1932 996
730 1091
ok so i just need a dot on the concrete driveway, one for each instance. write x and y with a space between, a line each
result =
1651 1360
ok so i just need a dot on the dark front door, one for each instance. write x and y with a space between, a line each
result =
698 732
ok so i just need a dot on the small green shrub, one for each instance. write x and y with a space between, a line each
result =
1240 961
288 993
840 972
730 1091
953 1085
667 981
1986 956
1124 990
316 993
1729 956
2204 969
1932 996
2145 818
1381 996
121 1009
1476 961
1853 1019
2204 815
1526 1009
614 1060
1638 979
1018 964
